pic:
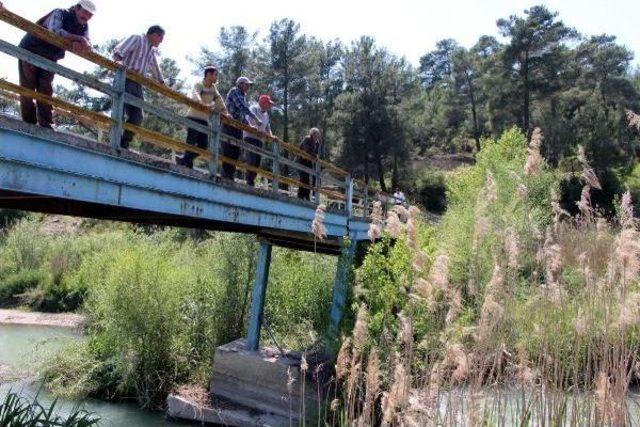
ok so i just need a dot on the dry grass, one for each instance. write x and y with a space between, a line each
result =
560 350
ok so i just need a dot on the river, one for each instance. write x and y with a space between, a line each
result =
23 347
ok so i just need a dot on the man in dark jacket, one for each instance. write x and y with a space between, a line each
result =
71 24
310 145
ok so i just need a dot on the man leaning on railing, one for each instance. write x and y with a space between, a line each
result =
311 145
206 93
138 53
71 24
261 110
239 110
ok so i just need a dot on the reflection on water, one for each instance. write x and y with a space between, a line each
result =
23 347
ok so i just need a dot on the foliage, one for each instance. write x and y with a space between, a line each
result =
512 302
430 191
159 301
17 411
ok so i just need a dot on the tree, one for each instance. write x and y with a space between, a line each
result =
367 111
534 51
237 56
324 84
454 71
288 68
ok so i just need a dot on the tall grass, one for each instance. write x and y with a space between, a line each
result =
509 312
17 411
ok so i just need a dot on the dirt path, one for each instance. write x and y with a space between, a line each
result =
62 320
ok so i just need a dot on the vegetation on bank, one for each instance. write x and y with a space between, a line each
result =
508 311
159 301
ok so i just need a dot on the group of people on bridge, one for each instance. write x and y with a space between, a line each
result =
139 53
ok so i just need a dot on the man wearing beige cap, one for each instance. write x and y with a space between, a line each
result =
260 110
71 24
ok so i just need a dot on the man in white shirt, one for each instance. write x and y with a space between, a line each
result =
399 197
261 111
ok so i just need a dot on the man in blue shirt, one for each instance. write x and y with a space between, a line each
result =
239 110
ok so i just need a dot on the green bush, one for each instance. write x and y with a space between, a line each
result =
159 305
299 297
466 196
14 286
430 191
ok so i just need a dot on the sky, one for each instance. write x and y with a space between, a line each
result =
408 28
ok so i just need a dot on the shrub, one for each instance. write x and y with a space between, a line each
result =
431 191
160 305
14 286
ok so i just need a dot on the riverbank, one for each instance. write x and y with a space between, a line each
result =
60 320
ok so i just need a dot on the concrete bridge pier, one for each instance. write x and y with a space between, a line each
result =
259 295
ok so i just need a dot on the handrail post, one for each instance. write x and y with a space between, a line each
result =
365 207
318 175
117 106
349 194
276 165
214 144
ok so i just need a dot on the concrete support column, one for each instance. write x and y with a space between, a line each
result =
259 294
341 288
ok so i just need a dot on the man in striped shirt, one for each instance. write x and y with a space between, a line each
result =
138 53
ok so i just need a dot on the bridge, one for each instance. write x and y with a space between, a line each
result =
60 172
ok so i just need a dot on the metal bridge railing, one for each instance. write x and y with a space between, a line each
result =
333 183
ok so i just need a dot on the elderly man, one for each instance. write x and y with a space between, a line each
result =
310 145
239 110
138 53
71 24
206 93
260 110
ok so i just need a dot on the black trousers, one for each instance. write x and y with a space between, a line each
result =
134 115
197 139
253 159
229 150
41 81
305 178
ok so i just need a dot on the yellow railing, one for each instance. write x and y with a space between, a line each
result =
168 142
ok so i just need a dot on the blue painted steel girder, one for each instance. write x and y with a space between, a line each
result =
41 165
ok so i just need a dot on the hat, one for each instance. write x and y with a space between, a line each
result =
87 5
265 98
243 80
210 68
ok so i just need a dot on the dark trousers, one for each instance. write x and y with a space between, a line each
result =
229 150
305 178
133 115
41 81
253 159
197 139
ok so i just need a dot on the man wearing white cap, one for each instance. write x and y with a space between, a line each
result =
239 110
71 24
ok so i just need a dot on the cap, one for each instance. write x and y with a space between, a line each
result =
210 68
243 80
265 98
87 5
